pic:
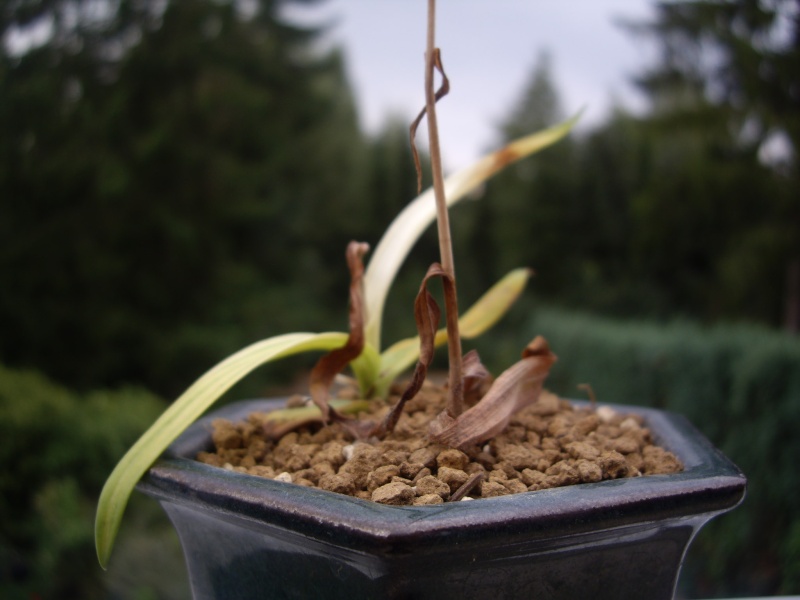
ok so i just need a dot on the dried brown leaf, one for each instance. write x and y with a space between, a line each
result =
333 363
473 373
517 387
426 314
440 93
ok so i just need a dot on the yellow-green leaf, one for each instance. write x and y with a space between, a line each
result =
493 304
184 411
481 316
280 421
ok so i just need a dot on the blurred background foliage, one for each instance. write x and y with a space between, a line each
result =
180 178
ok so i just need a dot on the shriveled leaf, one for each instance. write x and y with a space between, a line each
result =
517 387
481 316
443 90
426 315
182 413
474 373
405 230
333 363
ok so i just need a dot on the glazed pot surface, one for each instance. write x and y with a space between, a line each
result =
250 537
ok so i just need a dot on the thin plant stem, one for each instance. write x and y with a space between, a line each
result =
456 401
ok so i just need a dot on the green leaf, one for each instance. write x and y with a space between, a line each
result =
405 230
184 411
481 316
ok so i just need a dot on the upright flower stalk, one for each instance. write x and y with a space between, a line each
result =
432 61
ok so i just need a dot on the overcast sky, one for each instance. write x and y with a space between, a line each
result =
489 49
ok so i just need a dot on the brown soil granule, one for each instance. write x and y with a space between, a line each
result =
548 444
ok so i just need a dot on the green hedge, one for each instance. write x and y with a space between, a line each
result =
740 385
57 449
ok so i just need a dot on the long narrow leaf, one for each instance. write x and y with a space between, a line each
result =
481 316
279 422
184 411
405 230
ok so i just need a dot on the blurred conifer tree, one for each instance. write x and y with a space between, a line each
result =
166 172
725 94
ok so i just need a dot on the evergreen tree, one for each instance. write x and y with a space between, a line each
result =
531 210
165 186
611 167
726 90
539 105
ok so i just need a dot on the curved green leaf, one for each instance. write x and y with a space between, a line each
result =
404 231
481 316
182 413
496 302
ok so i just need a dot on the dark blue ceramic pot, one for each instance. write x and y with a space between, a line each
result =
248 537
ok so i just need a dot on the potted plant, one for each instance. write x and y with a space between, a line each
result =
246 536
